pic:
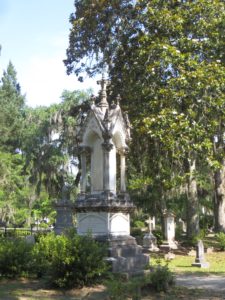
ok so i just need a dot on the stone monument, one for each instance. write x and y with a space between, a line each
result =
169 226
64 212
200 256
104 211
149 240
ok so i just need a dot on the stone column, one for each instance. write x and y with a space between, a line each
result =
107 147
83 169
169 231
122 172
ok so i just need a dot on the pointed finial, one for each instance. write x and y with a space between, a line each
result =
103 95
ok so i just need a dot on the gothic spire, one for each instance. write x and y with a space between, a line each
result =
103 104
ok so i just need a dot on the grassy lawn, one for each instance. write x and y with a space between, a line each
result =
182 263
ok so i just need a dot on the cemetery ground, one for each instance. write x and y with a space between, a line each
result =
191 282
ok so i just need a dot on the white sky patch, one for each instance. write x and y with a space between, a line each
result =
44 79
35 38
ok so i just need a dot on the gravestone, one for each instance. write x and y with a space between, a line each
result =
64 212
169 226
149 240
182 225
104 208
151 223
200 256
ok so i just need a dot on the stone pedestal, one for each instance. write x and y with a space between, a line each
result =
104 214
169 233
200 256
150 243
126 256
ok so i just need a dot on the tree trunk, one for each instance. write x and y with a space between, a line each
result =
219 198
192 200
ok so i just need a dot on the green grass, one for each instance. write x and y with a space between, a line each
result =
182 263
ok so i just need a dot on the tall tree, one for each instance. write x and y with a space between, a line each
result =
12 108
166 58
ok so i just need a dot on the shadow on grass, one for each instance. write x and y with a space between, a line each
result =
28 289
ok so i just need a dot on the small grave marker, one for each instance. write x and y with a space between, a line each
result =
200 256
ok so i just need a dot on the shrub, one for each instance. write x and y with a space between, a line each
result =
15 257
221 240
159 236
69 260
139 224
119 289
200 236
160 278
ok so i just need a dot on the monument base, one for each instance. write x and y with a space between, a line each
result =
201 264
103 224
125 256
150 243
168 245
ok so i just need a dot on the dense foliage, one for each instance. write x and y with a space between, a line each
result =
37 153
166 59
15 257
70 260
65 261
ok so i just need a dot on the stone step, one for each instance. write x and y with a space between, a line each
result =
125 251
122 241
130 264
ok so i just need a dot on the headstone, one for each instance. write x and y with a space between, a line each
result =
64 213
149 240
200 256
169 233
182 225
169 256
151 223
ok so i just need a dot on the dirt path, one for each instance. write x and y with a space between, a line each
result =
212 282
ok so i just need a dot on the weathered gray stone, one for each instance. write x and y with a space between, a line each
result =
64 217
150 242
126 256
169 256
169 233
200 256
30 239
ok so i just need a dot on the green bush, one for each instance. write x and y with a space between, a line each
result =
161 278
200 236
139 224
120 289
15 257
221 240
69 260
159 236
